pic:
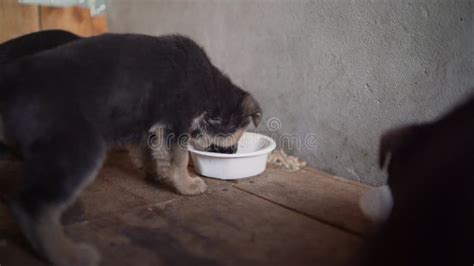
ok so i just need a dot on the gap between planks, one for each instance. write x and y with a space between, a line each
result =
312 217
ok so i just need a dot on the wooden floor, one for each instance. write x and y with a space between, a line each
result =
278 218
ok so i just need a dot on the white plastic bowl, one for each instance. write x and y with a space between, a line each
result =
250 159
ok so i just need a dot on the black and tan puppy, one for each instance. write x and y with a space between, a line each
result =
63 107
431 178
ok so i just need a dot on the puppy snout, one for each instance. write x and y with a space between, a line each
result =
219 149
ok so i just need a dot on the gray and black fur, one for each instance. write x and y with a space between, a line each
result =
65 100
25 45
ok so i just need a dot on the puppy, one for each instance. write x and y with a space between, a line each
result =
27 45
33 43
431 178
63 105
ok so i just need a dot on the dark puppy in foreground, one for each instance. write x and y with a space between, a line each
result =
431 176
64 103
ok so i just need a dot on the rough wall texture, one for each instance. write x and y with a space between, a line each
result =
342 70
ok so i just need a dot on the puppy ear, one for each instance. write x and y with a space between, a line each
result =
251 108
397 139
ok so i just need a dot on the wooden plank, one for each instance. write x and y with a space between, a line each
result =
224 226
74 19
17 19
313 193
16 252
121 172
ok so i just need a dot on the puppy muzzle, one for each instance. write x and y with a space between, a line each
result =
219 149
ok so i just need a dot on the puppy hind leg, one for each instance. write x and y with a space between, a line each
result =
56 173
141 157
158 148
45 233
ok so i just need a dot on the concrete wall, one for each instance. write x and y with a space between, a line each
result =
342 70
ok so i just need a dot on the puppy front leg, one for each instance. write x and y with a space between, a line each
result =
178 174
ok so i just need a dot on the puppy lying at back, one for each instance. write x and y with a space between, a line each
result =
33 43
431 178
23 46
63 103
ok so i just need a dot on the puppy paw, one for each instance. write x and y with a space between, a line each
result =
82 255
191 186
88 255
377 204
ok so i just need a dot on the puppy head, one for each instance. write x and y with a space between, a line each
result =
428 147
219 129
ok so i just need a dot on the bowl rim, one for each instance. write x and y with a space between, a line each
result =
265 150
